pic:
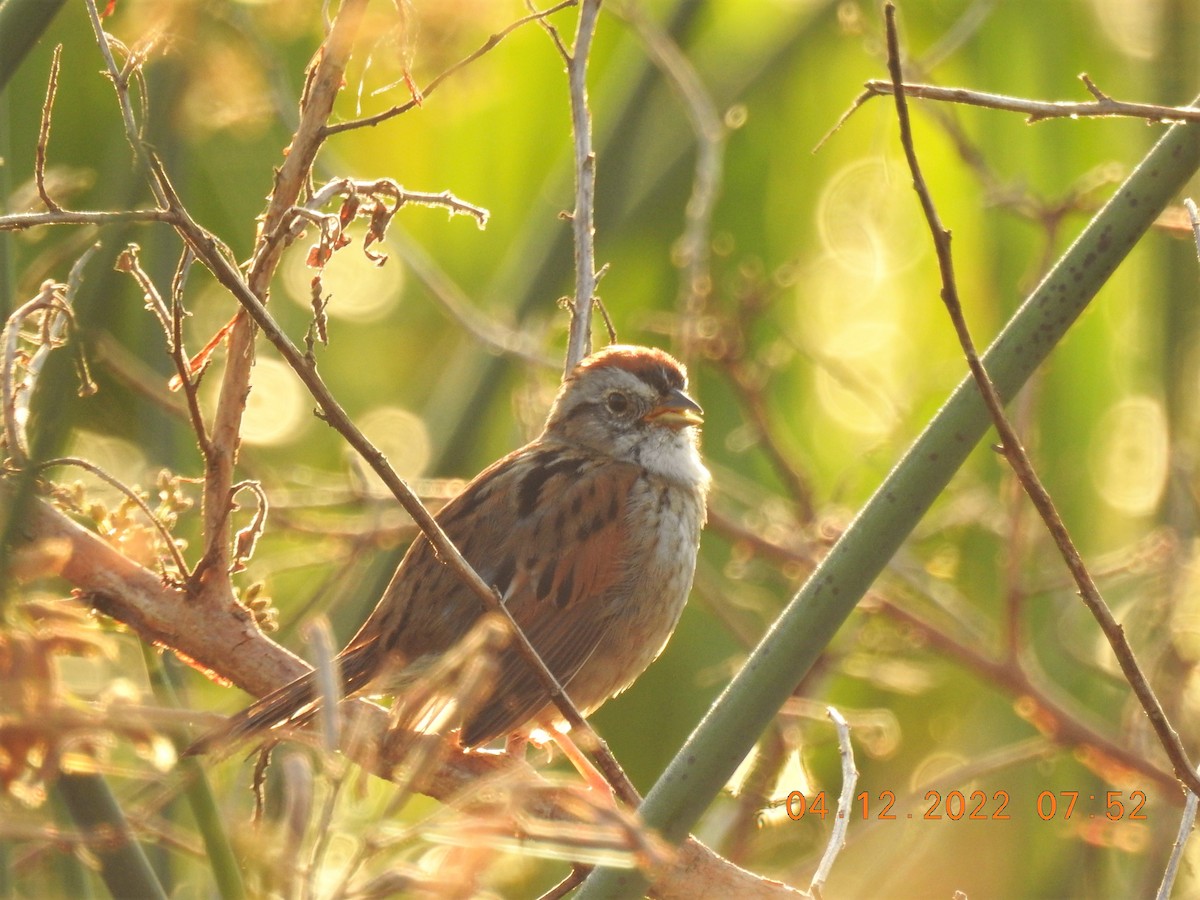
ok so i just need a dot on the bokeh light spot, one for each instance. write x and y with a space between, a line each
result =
276 410
359 290
403 439
1129 455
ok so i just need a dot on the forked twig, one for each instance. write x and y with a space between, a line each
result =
1015 454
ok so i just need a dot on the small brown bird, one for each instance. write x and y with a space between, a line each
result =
590 535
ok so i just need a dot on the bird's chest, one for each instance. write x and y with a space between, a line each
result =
666 521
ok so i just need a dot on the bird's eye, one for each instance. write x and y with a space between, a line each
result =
617 403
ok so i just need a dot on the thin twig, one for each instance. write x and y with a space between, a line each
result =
492 41
573 880
1039 110
120 80
579 339
127 261
179 355
841 822
1194 218
1015 453
246 539
133 496
39 162
1186 823
21 221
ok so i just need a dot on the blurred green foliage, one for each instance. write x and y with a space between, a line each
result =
823 311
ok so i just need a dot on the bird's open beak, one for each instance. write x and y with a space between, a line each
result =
678 410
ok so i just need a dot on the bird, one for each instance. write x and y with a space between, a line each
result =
589 534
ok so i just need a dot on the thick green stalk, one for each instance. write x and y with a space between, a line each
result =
214 831
21 24
728 732
123 864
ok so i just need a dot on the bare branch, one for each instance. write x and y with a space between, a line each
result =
1041 110
579 340
120 79
323 82
1015 453
21 221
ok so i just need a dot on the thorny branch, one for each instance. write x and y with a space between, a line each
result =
1015 454
323 82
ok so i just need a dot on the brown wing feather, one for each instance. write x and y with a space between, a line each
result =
563 602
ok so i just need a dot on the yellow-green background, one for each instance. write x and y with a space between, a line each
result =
851 348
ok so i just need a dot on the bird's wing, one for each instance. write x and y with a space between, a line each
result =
545 527
572 560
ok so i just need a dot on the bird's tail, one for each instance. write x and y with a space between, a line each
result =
295 702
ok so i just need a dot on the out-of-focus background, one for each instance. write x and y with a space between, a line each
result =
818 347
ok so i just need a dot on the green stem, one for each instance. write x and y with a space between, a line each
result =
123 864
21 24
728 732
213 831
